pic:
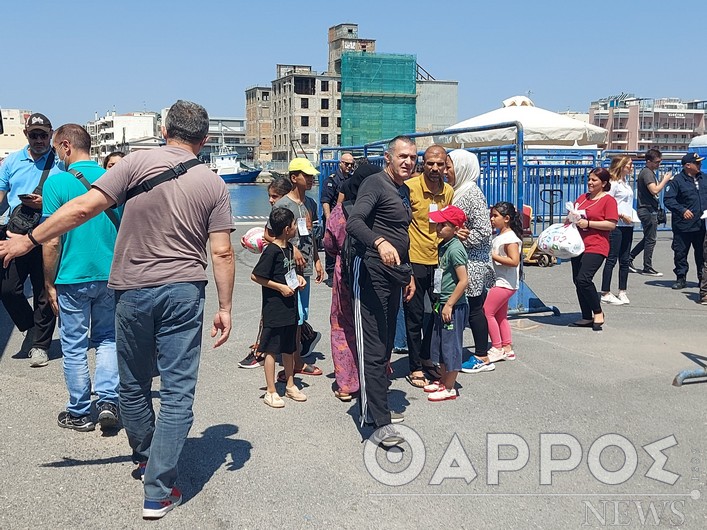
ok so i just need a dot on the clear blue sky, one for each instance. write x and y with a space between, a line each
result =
71 59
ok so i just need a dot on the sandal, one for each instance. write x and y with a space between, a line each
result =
418 381
307 369
432 370
342 396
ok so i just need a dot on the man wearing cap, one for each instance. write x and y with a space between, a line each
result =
686 198
22 176
379 222
329 195
302 174
428 193
159 277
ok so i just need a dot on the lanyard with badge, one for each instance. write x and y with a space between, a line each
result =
437 280
302 229
291 274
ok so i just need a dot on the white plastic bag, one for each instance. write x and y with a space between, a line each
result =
561 240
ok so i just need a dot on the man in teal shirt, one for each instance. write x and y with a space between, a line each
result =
76 270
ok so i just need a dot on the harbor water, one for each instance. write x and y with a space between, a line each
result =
249 202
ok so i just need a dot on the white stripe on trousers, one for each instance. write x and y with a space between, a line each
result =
359 336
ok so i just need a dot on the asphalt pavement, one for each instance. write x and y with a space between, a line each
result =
569 435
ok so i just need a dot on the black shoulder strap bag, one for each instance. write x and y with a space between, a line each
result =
23 218
109 212
170 174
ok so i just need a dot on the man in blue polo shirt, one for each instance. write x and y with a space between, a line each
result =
76 281
20 175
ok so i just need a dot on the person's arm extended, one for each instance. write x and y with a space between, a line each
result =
224 275
284 290
326 209
607 225
70 215
50 261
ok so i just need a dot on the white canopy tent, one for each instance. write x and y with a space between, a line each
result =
540 127
698 141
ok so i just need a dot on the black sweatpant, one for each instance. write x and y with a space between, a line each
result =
417 337
584 267
12 285
375 306
649 222
682 241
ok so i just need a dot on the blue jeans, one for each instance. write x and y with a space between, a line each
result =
163 322
85 307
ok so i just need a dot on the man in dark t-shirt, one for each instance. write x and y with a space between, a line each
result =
648 188
379 221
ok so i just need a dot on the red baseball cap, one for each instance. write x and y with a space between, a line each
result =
451 214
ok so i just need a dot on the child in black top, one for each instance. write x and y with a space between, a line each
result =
275 272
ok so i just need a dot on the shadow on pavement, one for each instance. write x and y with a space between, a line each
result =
202 457
72 462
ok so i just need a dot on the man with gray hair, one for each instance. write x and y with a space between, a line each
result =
173 207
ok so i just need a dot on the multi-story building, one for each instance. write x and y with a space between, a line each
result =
13 138
259 122
304 108
638 124
123 132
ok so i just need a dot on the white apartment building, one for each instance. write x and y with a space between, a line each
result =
13 138
123 132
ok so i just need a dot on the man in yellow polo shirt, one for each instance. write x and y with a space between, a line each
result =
428 192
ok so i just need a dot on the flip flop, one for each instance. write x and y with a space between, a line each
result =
307 369
342 396
418 381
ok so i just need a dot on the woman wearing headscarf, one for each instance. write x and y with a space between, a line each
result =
343 335
462 174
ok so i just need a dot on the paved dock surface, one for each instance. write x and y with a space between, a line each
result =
305 466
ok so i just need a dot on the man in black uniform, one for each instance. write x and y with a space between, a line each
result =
329 196
686 197
379 222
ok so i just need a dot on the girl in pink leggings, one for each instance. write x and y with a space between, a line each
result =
506 255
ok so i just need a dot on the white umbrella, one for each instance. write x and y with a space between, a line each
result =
540 127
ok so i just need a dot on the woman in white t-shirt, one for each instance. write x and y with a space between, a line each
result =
620 239
506 254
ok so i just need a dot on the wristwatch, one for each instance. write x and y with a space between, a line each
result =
32 239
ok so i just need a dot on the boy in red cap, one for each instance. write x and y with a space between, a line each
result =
451 311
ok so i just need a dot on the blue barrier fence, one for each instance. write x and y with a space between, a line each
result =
547 180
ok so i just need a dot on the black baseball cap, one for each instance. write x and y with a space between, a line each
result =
691 158
38 121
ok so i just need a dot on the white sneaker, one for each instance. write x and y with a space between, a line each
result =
624 299
274 400
609 298
496 354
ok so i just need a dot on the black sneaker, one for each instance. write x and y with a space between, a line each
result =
631 268
680 283
650 271
77 423
251 361
107 415
308 345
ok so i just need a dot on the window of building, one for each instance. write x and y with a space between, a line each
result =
325 121
338 86
304 121
324 86
325 139
304 103
338 122
305 138
338 139
338 104
266 96
325 104
304 85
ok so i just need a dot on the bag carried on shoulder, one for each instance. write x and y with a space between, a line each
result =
23 218
561 241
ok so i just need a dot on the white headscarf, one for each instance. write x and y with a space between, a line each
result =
466 169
